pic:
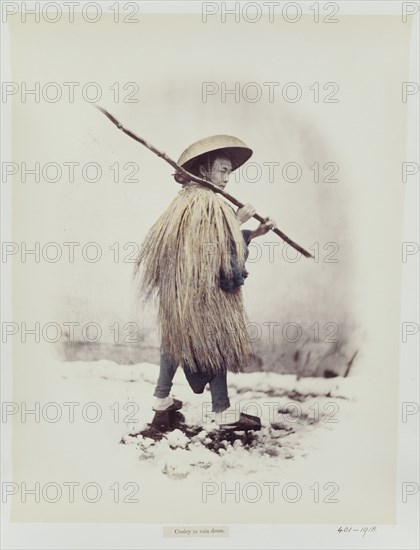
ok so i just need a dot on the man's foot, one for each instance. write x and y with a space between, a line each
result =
244 422
165 418
227 416
165 421
166 404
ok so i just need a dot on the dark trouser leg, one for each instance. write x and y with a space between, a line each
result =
219 392
166 374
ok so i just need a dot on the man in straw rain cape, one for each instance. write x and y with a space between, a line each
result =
193 261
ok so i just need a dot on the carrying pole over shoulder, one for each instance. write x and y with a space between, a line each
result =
196 179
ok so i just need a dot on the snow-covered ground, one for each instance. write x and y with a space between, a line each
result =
298 418
319 436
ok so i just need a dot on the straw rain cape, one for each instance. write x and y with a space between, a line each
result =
181 261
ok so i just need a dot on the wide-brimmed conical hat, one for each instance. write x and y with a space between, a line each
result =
236 150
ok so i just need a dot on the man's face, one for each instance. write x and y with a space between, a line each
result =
220 171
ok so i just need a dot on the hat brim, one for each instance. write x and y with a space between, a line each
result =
237 155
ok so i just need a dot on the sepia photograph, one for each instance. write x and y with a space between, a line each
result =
210 261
